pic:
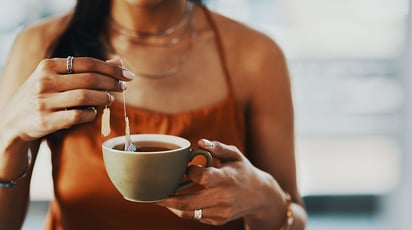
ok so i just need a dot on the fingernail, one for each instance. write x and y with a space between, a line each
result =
116 58
120 60
208 143
123 85
128 74
94 110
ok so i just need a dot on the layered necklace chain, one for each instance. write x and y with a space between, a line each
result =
142 37
163 52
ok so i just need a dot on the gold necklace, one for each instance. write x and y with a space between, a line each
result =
160 41
172 43
142 38
168 72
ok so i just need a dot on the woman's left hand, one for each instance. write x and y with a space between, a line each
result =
233 189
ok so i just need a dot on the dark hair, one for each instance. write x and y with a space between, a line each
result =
83 35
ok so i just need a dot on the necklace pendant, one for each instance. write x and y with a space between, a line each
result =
106 122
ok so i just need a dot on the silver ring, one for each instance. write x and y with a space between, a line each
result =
109 98
197 214
69 64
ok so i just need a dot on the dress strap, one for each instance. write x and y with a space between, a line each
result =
220 48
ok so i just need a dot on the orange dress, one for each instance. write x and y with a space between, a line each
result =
84 196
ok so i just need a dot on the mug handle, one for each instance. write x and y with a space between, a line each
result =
193 154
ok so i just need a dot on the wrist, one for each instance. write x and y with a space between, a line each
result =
271 209
11 138
9 183
13 156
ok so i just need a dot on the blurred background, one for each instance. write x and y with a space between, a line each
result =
349 64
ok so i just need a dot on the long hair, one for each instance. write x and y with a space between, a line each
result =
83 35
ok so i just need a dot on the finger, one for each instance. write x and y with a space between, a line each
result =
84 81
75 98
223 152
211 216
186 202
176 212
95 65
185 214
116 60
215 206
65 119
206 177
87 65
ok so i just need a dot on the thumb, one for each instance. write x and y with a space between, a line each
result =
206 177
117 60
223 152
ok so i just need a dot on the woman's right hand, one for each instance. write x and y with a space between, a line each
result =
50 99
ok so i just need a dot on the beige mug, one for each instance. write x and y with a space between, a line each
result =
155 171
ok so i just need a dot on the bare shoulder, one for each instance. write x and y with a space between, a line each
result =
29 48
37 37
252 56
244 37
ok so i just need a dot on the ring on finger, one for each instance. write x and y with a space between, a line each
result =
109 98
197 214
69 64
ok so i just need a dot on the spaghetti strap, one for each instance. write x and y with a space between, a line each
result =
219 44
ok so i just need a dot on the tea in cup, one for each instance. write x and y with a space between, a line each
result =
155 171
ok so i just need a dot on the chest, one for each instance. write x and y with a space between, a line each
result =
200 81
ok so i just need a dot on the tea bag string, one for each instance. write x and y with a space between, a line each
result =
128 145
126 119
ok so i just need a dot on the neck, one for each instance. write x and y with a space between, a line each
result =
152 17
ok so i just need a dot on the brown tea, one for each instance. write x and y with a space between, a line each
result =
145 146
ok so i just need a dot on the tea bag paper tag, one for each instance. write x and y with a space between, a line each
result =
106 122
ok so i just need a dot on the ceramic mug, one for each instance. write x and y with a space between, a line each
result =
155 171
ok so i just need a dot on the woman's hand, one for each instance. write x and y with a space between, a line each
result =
233 189
51 99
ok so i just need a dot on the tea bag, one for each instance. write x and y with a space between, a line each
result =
128 145
106 122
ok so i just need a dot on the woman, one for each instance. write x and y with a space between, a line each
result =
191 73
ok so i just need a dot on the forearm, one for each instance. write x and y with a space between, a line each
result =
13 162
13 205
